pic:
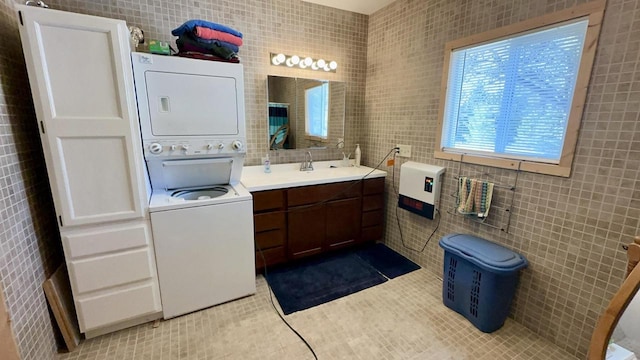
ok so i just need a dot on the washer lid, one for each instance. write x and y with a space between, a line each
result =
484 253
201 173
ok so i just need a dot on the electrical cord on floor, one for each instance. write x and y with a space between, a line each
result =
393 183
264 262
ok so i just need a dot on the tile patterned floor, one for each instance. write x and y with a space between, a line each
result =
401 319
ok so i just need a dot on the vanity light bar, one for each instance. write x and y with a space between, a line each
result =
303 62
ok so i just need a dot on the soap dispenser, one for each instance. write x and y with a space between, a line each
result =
267 164
358 155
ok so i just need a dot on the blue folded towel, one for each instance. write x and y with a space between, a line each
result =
191 24
230 46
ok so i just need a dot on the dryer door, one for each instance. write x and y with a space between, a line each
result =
191 105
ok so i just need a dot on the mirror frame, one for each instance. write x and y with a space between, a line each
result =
618 304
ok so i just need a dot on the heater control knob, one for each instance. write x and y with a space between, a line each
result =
236 145
221 146
209 146
155 148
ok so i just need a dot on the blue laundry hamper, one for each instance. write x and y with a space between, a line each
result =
479 279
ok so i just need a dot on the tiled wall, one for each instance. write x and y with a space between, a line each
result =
570 229
29 247
287 26
29 244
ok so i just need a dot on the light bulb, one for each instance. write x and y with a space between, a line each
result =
326 67
274 60
302 65
289 62
308 61
314 65
295 59
281 58
321 63
333 65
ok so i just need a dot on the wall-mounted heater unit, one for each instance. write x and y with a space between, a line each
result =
420 188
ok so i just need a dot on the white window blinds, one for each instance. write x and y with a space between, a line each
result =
512 97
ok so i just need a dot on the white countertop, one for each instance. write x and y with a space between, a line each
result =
289 175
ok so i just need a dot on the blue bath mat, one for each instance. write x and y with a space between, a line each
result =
314 282
388 262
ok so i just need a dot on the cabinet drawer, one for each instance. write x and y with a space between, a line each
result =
372 218
373 186
316 193
372 202
272 256
268 200
372 233
111 270
104 239
98 311
269 239
269 221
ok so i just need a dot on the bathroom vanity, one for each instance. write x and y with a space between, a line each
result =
299 214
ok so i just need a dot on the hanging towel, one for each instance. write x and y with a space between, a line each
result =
466 194
474 196
483 196
190 25
210 34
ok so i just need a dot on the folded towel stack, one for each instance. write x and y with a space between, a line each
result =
474 197
209 40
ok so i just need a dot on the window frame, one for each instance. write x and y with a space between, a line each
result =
307 135
594 12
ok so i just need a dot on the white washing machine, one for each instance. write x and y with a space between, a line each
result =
204 246
193 133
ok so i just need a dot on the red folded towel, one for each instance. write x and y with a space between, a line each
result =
210 34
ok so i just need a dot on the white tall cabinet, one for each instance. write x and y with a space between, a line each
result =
80 74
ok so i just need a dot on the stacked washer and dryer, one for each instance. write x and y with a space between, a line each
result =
193 129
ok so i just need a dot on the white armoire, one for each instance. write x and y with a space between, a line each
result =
81 79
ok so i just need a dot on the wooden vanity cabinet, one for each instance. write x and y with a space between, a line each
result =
372 209
270 227
298 222
323 217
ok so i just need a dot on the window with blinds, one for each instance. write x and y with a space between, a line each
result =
513 97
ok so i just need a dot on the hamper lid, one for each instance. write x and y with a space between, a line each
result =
483 253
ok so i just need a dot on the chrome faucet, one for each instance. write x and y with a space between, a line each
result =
307 165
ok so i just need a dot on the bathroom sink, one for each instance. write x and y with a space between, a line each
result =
289 175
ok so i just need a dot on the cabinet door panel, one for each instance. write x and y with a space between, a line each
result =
86 108
268 200
306 231
373 186
343 223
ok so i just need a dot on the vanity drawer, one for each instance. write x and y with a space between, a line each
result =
272 256
268 200
269 239
372 233
372 218
317 193
269 221
373 186
372 202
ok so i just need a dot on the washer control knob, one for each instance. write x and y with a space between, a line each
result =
185 147
236 145
155 148
221 146
173 147
209 146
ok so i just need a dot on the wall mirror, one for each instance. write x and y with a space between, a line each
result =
304 113
617 333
